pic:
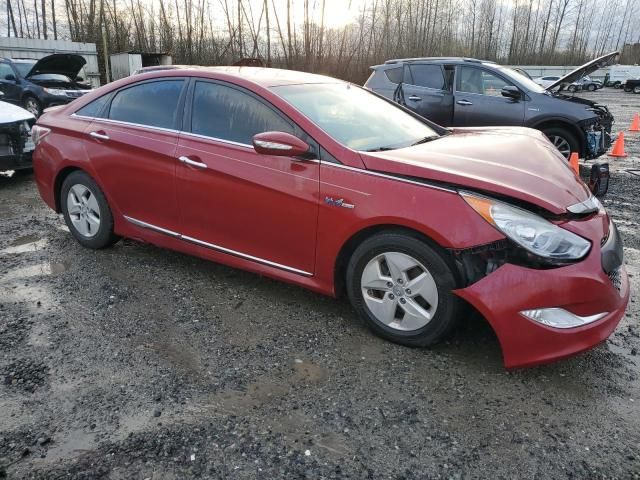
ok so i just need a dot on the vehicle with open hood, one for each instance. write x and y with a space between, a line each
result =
465 92
324 184
39 84
15 137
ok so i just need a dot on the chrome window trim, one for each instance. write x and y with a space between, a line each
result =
212 246
390 177
216 139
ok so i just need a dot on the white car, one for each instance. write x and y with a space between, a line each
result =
544 82
16 145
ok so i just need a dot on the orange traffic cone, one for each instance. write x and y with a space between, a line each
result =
635 124
618 147
573 161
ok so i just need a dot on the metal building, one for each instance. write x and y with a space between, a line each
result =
126 63
12 47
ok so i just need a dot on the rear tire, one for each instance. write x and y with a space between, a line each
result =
418 308
563 140
86 211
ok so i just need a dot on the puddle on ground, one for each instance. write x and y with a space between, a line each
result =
41 269
26 243
72 444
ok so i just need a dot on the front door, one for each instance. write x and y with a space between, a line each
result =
479 100
232 199
133 151
427 93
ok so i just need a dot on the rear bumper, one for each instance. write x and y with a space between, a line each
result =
583 288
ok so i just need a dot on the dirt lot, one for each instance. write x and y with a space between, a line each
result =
140 363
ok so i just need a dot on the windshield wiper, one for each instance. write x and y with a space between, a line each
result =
380 149
425 140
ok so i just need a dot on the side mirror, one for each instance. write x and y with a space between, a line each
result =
511 92
11 77
279 143
79 79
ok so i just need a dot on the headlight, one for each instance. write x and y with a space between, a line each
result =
530 231
56 91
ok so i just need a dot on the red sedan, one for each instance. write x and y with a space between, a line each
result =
320 183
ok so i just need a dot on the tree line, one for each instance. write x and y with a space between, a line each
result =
215 32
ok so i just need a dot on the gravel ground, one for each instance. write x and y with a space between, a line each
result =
141 363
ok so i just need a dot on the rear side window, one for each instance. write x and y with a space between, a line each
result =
95 108
229 114
394 74
152 103
5 70
429 76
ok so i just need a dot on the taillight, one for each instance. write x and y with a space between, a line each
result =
38 133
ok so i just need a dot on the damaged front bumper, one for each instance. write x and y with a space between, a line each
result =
16 146
595 290
597 132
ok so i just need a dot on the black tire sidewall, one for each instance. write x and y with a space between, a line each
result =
561 132
446 314
105 236
31 97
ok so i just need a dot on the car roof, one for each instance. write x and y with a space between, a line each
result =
265 77
20 60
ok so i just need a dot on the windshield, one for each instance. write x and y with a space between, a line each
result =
523 81
355 117
24 67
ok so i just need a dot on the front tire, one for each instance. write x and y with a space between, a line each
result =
86 211
636 89
402 289
563 140
591 87
32 105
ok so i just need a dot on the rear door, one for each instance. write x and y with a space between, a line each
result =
479 100
260 207
427 92
133 149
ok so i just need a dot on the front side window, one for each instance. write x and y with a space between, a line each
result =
227 113
355 117
151 103
24 68
476 80
429 76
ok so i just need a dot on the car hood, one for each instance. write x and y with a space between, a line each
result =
68 64
586 69
514 162
12 113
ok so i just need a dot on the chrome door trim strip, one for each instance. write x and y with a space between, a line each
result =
390 177
142 224
118 122
212 246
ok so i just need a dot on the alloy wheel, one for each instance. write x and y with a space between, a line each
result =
399 291
561 144
31 106
84 211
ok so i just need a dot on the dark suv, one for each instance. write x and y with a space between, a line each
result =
465 92
38 84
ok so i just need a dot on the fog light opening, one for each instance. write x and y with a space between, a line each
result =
560 318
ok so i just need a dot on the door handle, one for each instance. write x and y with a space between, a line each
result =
193 163
415 98
464 102
99 136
